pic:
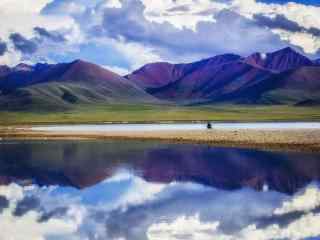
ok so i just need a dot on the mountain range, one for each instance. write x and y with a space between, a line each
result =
281 77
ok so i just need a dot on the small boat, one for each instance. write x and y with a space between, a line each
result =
209 126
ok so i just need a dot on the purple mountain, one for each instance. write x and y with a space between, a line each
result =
4 70
279 61
156 75
231 78
281 77
64 84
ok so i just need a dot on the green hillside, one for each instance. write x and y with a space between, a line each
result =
54 96
99 113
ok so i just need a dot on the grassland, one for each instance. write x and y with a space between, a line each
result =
158 113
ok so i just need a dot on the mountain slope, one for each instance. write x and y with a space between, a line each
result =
61 85
157 75
281 77
4 70
289 87
258 78
211 82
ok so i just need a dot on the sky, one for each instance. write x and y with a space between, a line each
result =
123 35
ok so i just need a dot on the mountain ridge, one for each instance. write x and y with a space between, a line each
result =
220 81
281 77
59 86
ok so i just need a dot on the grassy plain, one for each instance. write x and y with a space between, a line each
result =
160 113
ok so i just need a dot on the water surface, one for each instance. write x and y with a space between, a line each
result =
145 190
179 126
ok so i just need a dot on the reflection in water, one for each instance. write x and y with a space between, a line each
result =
83 164
127 207
144 190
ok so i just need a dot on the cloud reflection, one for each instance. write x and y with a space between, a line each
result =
127 207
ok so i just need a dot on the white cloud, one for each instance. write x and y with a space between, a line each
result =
22 17
309 43
164 11
18 227
13 192
22 6
136 54
139 192
77 18
304 15
127 207
304 227
188 228
304 201
119 70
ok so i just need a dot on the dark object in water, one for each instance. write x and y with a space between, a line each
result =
209 126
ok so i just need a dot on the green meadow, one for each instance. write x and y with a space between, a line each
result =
160 113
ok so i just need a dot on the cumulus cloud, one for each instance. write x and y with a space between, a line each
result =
168 216
157 30
119 70
305 201
281 22
225 34
182 8
51 35
188 228
303 15
308 2
23 6
23 44
4 203
127 207
25 205
3 47
18 226
20 35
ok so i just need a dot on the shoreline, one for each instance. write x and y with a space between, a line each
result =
202 121
283 140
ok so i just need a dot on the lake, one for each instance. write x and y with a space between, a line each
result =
141 190
178 126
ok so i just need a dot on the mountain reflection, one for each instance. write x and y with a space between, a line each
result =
85 163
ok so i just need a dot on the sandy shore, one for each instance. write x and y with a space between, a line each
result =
296 140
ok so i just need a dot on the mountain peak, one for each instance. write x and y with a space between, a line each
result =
23 67
79 61
223 58
256 59
279 61
287 49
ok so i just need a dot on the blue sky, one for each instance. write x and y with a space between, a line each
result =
123 35
307 2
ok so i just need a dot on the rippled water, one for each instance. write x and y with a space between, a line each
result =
178 126
145 190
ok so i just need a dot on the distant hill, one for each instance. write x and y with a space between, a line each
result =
281 77
62 85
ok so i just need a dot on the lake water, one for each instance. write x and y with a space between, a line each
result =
178 126
136 190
